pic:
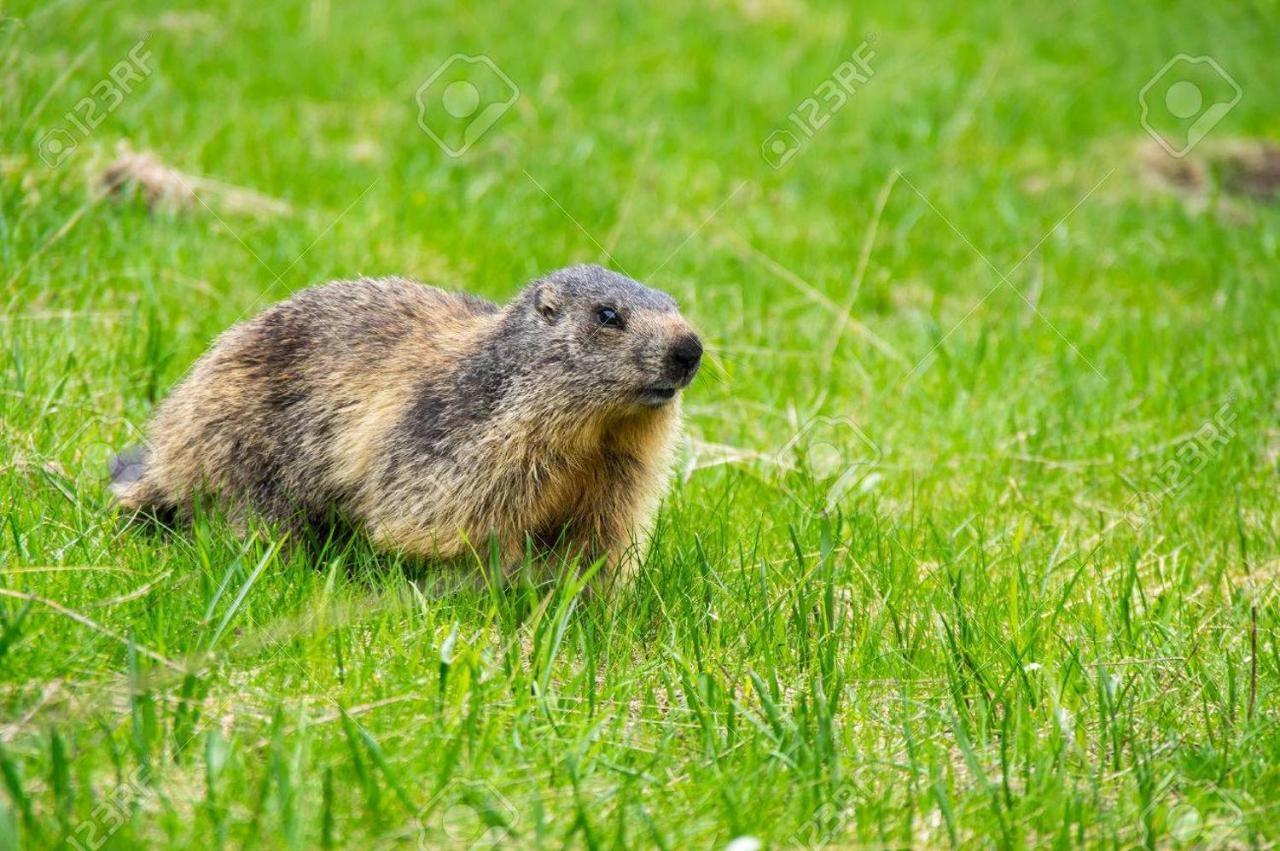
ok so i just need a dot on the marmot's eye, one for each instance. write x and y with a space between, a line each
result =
609 317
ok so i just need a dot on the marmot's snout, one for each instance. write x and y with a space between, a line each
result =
675 365
684 358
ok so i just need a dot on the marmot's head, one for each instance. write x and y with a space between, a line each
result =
611 343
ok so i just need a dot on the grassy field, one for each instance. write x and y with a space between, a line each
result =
974 539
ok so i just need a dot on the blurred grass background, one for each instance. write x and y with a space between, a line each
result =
974 648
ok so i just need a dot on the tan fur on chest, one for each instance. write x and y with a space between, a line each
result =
581 488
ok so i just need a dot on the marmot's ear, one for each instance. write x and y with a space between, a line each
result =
546 302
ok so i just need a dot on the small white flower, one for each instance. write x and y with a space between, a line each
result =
744 843
1066 723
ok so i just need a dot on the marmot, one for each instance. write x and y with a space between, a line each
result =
435 422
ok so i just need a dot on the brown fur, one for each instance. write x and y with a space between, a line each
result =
434 420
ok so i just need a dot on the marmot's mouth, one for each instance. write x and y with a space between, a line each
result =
657 395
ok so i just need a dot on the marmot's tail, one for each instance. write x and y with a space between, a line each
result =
127 470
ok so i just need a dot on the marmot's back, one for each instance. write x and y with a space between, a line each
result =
343 329
282 405
361 317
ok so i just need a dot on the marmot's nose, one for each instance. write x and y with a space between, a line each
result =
685 356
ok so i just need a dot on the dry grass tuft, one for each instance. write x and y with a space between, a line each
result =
163 187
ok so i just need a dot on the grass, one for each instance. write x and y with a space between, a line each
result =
962 642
